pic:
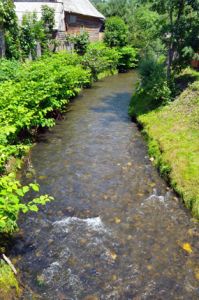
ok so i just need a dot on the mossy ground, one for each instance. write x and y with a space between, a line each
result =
172 132
9 288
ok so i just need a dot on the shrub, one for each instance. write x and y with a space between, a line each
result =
80 42
153 81
31 32
9 70
42 87
11 195
99 58
9 23
116 32
26 100
127 59
47 22
153 89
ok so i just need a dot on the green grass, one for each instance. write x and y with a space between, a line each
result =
9 288
172 132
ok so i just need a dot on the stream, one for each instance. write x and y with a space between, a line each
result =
115 229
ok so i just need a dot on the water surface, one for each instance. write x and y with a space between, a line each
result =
115 230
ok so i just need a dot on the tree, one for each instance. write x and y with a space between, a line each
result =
31 33
179 31
9 29
80 42
116 32
48 21
144 29
101 5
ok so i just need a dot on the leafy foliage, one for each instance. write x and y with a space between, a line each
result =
144 27
128 58
31 32
11 195
48 19
153 90
100 58
21 41
27 99
9 70
80 42
153 80
48 22
38 89
179 31
34 31
116 32
112 8
168 28
10 29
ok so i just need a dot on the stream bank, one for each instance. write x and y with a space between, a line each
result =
172 133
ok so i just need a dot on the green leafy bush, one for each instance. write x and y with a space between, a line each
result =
42 87
153 80
31 32
9 70
153 89
100 58
116 32
80 42
11 195
9 24
34 91
128 58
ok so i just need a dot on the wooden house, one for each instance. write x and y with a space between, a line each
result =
71 16
82 15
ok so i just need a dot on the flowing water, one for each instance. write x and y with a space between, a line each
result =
115 229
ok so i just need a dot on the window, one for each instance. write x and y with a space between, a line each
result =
72 19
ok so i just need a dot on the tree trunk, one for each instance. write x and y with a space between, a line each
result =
2 43
170 48
170 61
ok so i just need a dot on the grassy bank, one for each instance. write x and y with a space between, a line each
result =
9 287
172 132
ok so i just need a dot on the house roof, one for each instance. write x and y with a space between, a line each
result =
30 7
82 7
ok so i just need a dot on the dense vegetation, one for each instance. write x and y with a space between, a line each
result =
21 41
167 27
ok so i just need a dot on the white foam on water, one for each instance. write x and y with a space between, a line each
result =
49 273
94 224
154 198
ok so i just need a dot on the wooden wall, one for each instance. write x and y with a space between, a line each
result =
77 23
